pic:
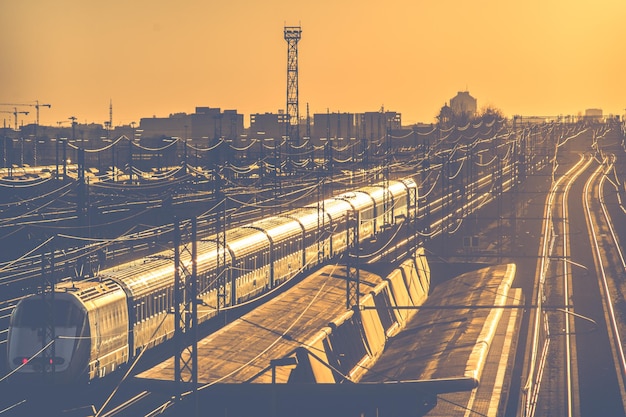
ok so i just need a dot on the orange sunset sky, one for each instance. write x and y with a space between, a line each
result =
156 57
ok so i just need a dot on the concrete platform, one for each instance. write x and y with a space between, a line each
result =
242 351
466 330
453 357
491 395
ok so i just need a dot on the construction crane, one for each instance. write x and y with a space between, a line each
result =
36 106
15 113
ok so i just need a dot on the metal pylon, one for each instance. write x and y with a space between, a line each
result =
48 353
353 279
185 305
292 36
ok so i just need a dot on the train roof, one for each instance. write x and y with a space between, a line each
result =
333 207
208 252
409 182
242 240
277 228
87 291
146 274
307 216
358 199
375 191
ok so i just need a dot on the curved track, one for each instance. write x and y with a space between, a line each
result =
575 364
609 259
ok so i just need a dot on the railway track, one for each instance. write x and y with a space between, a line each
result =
540 347
609 261
575 363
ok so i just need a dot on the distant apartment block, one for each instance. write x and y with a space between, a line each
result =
268 125
328 126
373 126
333 127
205 124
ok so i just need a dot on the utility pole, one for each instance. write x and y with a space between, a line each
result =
73 119
353 276
311 149
48 336
82 193
37 106
61 141
186 296
130 154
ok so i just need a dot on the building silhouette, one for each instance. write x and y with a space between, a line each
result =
205 125
593 115
267 125
463 104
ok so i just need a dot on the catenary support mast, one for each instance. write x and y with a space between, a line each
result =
292 36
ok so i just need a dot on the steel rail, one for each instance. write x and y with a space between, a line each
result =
537 358
616 347
572 400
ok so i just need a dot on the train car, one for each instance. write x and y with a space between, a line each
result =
90 321
212 262
129 308
286 246
379 214
149 293
314 249
249 271
364 207
404 195
334 224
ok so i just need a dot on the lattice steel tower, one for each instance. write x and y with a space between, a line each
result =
292 36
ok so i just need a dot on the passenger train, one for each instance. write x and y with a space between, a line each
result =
102 324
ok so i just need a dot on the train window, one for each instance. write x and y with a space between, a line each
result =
34 313
30 313
68 315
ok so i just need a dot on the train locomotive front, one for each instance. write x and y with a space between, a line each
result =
79 333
